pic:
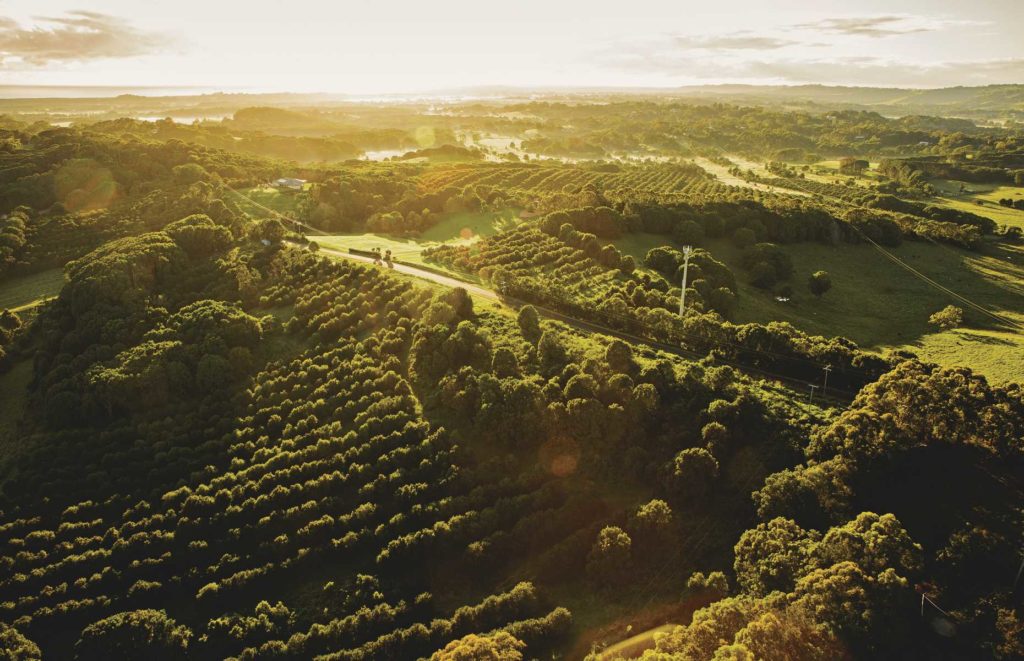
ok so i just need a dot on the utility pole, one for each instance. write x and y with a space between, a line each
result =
810 400
827 368
686 267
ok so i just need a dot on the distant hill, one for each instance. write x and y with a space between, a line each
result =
263 117
989 102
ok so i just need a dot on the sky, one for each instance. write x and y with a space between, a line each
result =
386 46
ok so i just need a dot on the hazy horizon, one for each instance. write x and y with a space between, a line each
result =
28 92
364 49
450 330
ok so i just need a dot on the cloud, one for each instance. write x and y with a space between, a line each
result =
874 26
738 41
872 71
658 51
843 70
79 35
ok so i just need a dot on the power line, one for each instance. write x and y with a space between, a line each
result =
597 327
277 213
628 320
634 321
975 306
671 348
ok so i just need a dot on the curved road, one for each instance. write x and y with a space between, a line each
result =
579 324
409 269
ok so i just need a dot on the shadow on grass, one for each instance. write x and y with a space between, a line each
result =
985 339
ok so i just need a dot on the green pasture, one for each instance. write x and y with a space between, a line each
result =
982 199
26 290
879 305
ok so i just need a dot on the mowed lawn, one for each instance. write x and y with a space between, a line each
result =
23 291
879 305
405 250
468 226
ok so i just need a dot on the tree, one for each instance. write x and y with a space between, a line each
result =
857 606
755 257
788 634
875 543
500 646
439 312
714 584
762 275
688 233
806 494
504 364
460 301
723 301
710 628
948 317
651 525
16 647
819 282
716 438
529 323
610 257
852 166
550 351
132 635
663 259
773 555
190 173
581 386
609 559
694 470
619 357
734 652
743 237
271 230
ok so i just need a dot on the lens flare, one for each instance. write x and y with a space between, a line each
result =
425 137
560 456
82 184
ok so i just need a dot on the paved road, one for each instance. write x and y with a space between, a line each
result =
409 269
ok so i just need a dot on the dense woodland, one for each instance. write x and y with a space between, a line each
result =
221 442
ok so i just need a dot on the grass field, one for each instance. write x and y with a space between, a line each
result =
406 250
453 228
270 197
879 305
988 194
465 227
827 172
24 291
